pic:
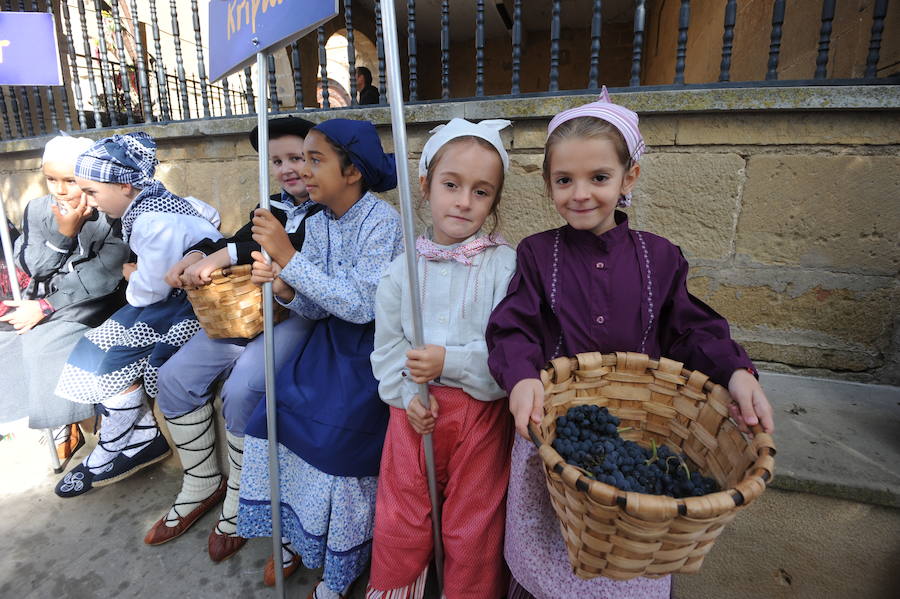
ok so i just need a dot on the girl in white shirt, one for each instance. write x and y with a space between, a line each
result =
113 365
463 274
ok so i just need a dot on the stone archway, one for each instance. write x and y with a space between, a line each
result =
337 60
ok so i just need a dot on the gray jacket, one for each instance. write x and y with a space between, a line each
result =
81 277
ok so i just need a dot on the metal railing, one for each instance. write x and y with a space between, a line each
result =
112 79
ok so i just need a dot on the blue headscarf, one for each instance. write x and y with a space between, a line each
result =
361 142
129 158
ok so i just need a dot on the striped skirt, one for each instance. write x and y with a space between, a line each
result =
133 343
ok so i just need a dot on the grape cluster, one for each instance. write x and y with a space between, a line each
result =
588 437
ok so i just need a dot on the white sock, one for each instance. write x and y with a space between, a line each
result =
145 430
323 592
194 434
227 524
61 434
124 410
287 552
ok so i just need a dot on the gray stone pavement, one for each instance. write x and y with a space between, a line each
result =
833 438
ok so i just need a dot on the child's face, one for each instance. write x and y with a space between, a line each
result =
586 181
464 184
286 154
112 199
61 183
325 181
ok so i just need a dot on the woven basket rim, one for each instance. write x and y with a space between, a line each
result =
230 306
577 478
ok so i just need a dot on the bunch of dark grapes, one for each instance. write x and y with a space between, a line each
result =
588 437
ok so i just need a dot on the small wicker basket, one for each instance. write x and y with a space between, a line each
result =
231 306
621 535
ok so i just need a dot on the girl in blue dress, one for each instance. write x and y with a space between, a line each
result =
331 422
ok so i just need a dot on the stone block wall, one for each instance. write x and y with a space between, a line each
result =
785 201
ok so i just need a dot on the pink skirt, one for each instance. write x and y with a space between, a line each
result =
534 547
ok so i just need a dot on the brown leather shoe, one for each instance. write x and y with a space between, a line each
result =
71 444
221 547
159 533
269 572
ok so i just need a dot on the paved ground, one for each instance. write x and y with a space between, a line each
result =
833 438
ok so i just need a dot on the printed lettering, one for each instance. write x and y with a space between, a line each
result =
244 12
255 12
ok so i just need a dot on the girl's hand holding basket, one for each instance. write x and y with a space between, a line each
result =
526 402
173 277
751 407
200 272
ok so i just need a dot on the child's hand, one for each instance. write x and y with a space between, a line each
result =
128 269
264 272
200 273
27 313
752 406
426 364
70 223
270 234
173 277
526 402
420 419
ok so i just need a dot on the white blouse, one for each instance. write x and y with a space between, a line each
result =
456 303
160 239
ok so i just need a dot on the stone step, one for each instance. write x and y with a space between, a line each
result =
836 438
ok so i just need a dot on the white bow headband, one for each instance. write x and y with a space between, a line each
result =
488 130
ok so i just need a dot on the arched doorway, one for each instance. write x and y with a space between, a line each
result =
338 65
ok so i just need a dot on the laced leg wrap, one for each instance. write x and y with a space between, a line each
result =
123 412
195 439
227 524
288 553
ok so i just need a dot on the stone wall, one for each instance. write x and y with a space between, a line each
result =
784 200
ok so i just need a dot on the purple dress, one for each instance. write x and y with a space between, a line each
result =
576 292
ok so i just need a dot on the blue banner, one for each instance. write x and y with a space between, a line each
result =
238 29
28 51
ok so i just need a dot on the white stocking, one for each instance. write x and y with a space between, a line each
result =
194 434
227 524
123 412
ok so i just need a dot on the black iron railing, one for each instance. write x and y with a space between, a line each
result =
122 67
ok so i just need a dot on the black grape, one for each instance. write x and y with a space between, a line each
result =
588 437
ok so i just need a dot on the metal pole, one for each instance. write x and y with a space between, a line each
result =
8 253
268 325
398 126
17 296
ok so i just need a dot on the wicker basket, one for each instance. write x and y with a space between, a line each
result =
622 535
230 307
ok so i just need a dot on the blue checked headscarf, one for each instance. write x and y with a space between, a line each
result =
360 140
131 158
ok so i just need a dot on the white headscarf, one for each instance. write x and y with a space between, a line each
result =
488 130
65 149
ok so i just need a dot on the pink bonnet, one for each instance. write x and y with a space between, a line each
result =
623 119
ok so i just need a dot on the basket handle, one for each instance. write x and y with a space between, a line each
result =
533 434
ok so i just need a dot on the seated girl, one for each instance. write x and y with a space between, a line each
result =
331 423
113 366
73 256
